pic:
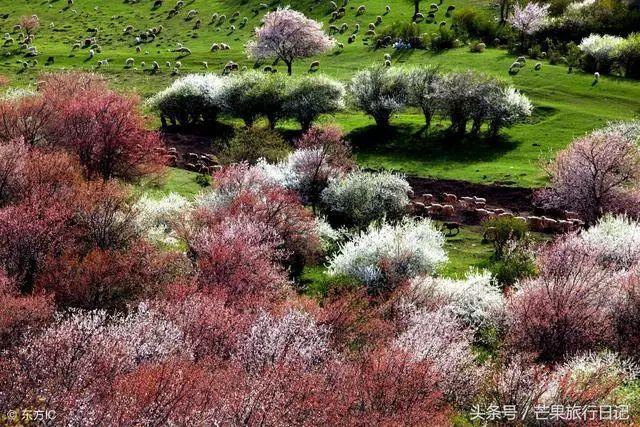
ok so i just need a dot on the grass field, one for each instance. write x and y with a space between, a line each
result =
567 105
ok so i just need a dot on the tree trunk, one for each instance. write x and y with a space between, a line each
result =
427 118
416 7
289 63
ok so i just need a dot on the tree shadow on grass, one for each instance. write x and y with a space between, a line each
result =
411 142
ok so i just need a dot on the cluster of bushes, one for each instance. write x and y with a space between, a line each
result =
602 53
201 98
462 97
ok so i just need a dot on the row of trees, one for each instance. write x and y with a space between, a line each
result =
461 97
200 99
378 91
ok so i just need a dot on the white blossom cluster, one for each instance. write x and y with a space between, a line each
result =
615 240
157 217
601 47
410 248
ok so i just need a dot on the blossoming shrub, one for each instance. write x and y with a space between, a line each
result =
475 300
362 197
190 100
382 257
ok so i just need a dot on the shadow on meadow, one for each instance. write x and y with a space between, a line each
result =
412 142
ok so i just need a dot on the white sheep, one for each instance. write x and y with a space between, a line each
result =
387 57
205 64
168 64
178 64
91 53
387 8
214 47
129 62
387 63
361 10
596 76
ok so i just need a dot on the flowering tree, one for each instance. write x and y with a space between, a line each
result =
193 99
30 24
313 96
600 51
440 338
359 198
592 173
288 34
379 92
565 310
382 257
530 18
422 83
294 338
13 159
107 133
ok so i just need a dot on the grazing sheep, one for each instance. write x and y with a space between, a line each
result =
244 21
214 47
361 10
205 64
179 4
314 65
197 25
157 4
224 46
222 19
333 29
129 62
372 26
356 28
418 17
538 66
167 64
522 60
387 8
138 49
191 14
344 27
351 39
127 29
69 2
387 57
235 15
178 64
596 76
155 66
378 20
91 53
340 45
263 6
387 63
214 18
232 28
370 33
143 64
268 69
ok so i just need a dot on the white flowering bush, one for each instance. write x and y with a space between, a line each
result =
295 337
379 92
313 96
511 107
330 238
440 338
475 300
190 99
381 256
600 373
157 217
615 241
600 51
629 130
362 197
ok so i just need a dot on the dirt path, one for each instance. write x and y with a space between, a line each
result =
517 199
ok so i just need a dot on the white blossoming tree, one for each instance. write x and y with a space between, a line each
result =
288 34
383 256
529 19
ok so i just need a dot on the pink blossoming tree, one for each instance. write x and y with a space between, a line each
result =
288 34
